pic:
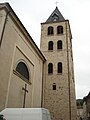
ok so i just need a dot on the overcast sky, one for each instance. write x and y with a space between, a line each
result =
33 12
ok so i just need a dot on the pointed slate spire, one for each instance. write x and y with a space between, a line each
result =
55 16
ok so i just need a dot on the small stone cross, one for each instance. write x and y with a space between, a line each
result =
25 91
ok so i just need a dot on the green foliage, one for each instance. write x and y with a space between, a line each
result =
1 117
79 103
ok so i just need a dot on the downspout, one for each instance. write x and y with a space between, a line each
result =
2 34
68 72
42 86
42 97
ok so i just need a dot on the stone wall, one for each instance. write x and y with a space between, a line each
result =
60 102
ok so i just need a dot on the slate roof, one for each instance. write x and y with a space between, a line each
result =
55 16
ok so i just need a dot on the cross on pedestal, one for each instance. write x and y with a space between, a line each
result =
25 91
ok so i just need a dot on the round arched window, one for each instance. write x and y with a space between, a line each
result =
50 68
59 44
60 30
50 30
50 45
23 70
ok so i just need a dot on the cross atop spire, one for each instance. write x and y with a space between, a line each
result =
56 3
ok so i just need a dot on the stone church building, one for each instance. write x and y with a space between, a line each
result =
33 77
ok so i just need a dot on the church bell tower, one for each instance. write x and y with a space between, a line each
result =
58 79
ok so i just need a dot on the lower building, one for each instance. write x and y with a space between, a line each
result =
79 109
86 107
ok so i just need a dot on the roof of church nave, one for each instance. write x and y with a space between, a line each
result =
11 12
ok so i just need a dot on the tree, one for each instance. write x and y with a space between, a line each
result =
1 117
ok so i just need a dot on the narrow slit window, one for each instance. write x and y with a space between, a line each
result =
54 86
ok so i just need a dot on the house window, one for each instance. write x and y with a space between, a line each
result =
50 30
59 67
54 86
23 70
60 30
59 44
50 45
50 68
